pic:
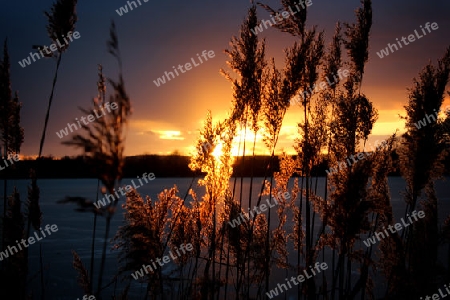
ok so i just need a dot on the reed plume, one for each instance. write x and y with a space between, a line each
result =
83 275
103 142
61 19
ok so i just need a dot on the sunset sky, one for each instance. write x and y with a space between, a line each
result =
155 37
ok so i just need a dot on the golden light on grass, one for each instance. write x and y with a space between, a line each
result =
217 152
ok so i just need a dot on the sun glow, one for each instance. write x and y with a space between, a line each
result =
218 151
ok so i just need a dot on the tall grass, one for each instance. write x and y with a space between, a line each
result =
61 19
13 272
238 262
103 145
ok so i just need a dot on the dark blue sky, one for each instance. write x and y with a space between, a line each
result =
155 37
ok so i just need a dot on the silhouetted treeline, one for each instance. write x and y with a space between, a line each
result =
161 165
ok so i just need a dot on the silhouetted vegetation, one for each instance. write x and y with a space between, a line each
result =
239 262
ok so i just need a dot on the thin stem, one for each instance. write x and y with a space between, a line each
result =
102 264
50 100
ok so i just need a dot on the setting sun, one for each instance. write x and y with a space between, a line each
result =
232 149
217 153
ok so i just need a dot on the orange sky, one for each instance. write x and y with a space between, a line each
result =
155 37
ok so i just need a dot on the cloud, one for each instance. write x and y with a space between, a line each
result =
170 135
161 130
